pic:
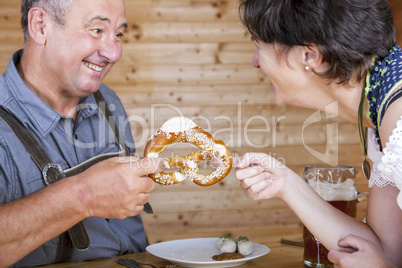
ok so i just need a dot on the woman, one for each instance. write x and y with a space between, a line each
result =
320 52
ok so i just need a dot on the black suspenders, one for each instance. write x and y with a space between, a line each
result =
77 236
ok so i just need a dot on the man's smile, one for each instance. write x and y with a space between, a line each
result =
93 66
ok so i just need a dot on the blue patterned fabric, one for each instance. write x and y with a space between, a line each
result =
381 83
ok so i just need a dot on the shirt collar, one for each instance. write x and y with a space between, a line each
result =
29 108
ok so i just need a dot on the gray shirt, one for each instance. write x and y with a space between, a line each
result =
68 143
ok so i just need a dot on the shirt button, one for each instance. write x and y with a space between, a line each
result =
76 136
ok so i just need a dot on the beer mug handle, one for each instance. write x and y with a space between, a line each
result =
362 196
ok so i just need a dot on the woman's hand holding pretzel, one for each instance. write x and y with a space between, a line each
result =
262 176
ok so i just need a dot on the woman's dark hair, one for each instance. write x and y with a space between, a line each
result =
348 33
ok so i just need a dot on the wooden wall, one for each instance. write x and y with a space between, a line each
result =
193 58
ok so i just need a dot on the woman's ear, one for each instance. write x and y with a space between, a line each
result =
36 25
312 57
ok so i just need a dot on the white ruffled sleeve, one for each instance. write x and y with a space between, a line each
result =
375 156
391 162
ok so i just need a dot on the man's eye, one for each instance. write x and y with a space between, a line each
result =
97 31
119 35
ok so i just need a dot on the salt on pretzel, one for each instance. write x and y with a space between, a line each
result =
182 129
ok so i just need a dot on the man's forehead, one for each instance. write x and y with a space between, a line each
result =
102 7
92 11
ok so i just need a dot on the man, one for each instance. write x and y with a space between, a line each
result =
48 86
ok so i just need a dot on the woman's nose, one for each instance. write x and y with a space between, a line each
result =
255 63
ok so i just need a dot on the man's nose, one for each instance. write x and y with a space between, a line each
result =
111 50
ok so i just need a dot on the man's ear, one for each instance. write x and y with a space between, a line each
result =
312 57
37 19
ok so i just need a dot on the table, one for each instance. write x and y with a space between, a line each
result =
281 256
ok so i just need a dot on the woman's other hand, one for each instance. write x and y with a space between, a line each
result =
366 254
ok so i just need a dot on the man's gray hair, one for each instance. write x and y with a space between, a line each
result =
56 9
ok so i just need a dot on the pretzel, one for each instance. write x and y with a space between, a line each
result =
181 129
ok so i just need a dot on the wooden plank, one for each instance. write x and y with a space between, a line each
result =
188 31
396 6
158 112
265 136
256 233
9 23
238 217
188 53
14 37
228 220
12 3
210 199
152 95
261 135
159 10
176 73
181 10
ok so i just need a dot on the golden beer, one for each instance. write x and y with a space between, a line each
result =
336 185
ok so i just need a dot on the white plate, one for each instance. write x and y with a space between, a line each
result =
198 252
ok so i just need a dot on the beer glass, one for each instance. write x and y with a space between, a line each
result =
336 185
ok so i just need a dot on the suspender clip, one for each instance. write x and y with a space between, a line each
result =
46 170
